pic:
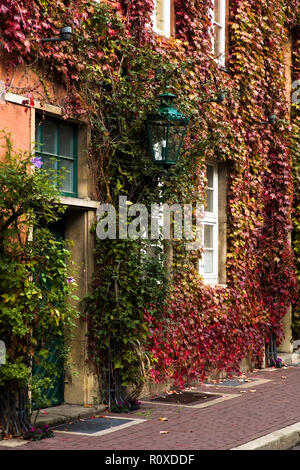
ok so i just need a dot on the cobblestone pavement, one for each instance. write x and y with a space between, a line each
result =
260 408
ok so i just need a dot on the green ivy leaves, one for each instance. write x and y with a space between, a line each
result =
33 267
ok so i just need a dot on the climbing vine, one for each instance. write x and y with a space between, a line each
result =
185 328
296 176
35 287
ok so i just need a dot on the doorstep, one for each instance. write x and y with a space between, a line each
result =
64 413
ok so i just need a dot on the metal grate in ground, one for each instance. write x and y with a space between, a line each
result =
239 382
184 398
96 426
235 382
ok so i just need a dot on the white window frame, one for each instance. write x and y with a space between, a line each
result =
164 28
219 55
211 219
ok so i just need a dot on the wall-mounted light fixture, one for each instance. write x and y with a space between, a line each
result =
271 120
167 128
219 99
65 34
166 131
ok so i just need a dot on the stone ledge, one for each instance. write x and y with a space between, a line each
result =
13 442
79 203
63 413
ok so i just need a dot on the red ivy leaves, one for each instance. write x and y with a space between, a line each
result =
22 22
202 327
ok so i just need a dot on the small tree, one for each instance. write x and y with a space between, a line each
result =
34 283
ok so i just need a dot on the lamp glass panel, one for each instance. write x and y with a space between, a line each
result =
159 141
175 137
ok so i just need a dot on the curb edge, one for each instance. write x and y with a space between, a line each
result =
282 439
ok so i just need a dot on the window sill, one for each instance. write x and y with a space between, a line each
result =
79 203
212 283
224 286
161 33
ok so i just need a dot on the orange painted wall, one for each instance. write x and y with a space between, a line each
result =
15 119
22 80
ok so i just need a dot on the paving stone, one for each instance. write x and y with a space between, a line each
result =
224 425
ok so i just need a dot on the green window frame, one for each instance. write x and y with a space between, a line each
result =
56 144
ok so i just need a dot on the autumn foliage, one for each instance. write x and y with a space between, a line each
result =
108 73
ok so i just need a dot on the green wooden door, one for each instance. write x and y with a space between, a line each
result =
55 394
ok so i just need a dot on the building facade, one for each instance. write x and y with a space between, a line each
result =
241 54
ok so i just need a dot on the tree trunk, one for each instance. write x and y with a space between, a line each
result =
14 410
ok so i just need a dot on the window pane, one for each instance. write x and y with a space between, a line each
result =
162 17
159 15
209 199
49 137
217 40
66 143
210 176
217 16
38 138
208 236
49 163
56 140
208 261
66 170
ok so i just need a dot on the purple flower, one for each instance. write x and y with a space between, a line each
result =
37 162
70 279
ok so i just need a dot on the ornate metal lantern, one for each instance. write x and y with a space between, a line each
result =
166 131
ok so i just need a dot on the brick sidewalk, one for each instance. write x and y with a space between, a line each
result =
275 404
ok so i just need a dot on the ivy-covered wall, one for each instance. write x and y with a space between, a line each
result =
184 328
295 114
